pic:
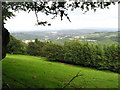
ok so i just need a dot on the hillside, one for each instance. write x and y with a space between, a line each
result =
68 35
21 71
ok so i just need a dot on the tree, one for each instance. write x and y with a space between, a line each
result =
16 46
5 40
53 51
35 48
32 48
55 8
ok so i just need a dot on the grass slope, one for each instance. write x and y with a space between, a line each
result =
20 71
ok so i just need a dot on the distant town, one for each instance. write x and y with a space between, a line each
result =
62 36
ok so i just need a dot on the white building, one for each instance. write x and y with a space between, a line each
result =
82 36
27 41
77 37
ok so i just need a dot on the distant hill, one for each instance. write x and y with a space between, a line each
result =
65 35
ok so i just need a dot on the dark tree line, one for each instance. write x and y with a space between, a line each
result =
103 57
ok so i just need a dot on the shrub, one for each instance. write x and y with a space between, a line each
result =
16 46
53 51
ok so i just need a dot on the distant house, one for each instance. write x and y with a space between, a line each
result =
27 41
92 40
82 36
59 38
77 37
54 32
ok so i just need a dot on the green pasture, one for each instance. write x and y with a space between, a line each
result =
21 71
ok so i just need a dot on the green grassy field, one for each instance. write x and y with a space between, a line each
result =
20 71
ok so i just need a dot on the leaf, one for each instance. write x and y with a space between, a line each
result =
49 24
94 10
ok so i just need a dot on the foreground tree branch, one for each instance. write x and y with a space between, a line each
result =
72 79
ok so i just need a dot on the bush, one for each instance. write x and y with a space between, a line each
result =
16 46
93 55
35 48
53 51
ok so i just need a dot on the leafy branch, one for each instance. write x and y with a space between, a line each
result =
51 8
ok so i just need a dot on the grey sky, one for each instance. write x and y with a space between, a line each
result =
102 18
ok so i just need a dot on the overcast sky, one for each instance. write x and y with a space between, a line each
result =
102 18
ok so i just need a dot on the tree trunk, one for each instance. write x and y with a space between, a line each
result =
5 41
